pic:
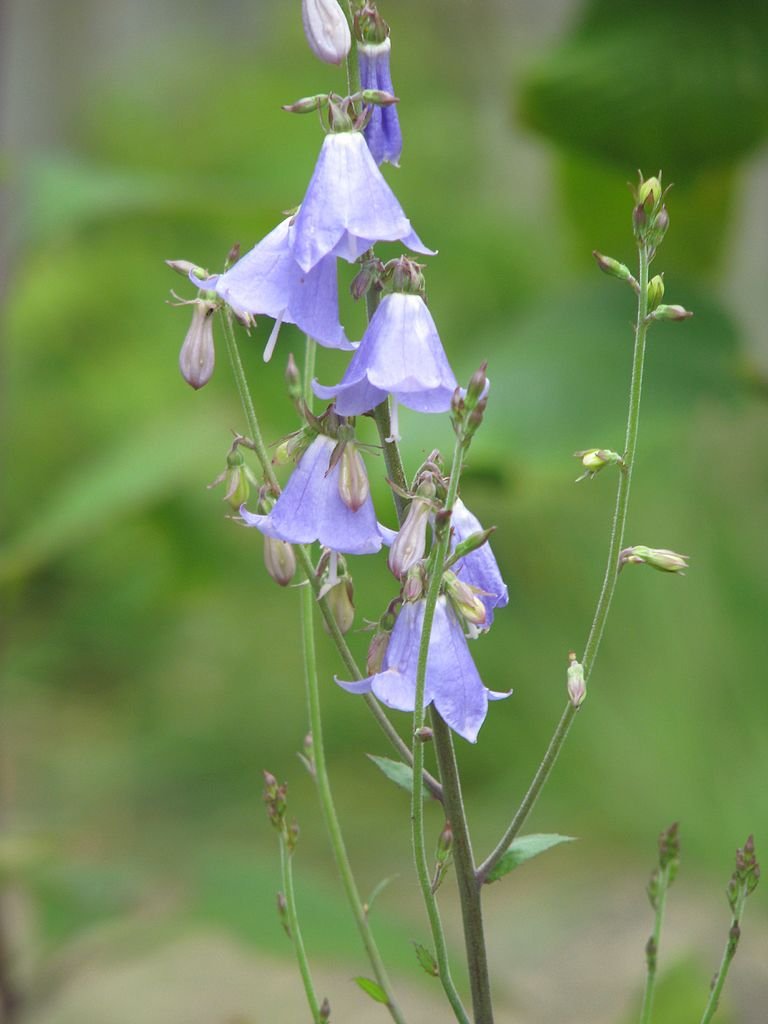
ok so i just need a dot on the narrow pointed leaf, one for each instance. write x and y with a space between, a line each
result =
401 774
526 848
373 989
377 890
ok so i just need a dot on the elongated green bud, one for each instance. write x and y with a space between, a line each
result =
279 560
659 558
655 291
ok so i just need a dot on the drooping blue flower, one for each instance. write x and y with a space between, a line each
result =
400 355
452 682
268 281
479 568
382 133
348 206
312 508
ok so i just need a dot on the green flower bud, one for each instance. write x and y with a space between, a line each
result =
664 312
649 194
464 599
353 479
595 459
659 558
340 600
279 560
612 267
655 291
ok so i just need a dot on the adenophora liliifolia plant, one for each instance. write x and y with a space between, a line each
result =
446 585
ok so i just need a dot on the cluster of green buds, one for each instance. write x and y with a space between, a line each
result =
345 113
657 558
595 459
468 407
276 800
650 218
745 877
669 861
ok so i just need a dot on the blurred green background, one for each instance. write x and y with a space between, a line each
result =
151 670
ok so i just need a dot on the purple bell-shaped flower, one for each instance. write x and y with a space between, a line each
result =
452 683
479 568
268 281
348 206
317 504
400 355
382 133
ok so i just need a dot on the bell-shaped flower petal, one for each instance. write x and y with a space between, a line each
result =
311 508
382 133
348 206
268 281
400 355
452 681
479 568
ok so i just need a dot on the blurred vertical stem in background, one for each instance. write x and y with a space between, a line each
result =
661 879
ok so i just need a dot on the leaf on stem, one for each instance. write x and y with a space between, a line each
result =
426 960
372 989
525 848
401 774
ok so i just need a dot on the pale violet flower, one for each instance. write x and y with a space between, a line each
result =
326 29
348 206
452 683
268 281
312 508
479 568
382 133
400 355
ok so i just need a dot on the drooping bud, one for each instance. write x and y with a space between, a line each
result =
613 268
326 29
353 479
658 558
367 277
663 312
293 379
655 292
279 560
185 268
325 1010
577 686
595 459
377 648
465 599
414 583
410 544
197 356
340 601
238 480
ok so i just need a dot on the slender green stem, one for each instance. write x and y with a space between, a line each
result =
417 802
609 580
328 807
392 458
652 948
469 891
303 556
295 931
725 964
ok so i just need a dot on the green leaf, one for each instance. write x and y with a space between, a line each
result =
525 848
373 989
398 772
426 960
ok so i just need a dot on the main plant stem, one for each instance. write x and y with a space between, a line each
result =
609 580
728 954
463 859
305 561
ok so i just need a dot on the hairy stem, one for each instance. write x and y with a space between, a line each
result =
329 810
609 580
469 891
303 555
286 867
